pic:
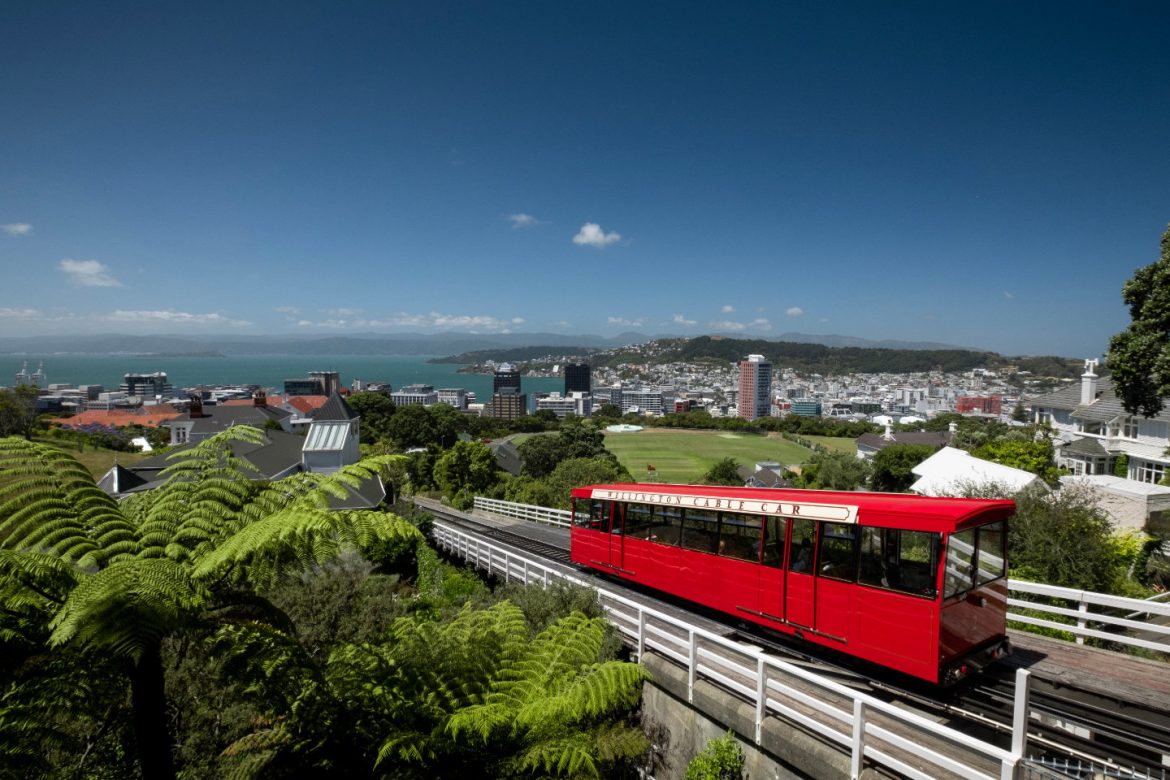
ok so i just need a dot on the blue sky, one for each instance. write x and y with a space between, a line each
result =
979 174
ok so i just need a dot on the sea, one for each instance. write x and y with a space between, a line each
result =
268 371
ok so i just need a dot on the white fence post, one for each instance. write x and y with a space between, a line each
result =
641 633
761 697
1023 703
858 757
1083 608
692 662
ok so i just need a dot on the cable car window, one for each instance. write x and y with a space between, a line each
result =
800 555
838 553
739 536
960 562
619 517
639 520
774 528
872 561
667 528
700 530
917 563
593 515
991 557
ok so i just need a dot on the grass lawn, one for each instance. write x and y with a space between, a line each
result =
835 443
683 456
98 461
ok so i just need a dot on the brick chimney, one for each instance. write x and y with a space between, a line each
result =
196 407
259 398
1089 382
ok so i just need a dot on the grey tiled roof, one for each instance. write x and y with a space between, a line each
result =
1104 408
335 409
1085 446
875 441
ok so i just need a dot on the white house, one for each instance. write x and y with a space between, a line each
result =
950 471
1093 431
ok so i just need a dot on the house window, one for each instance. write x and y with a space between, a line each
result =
1130 428
1090 427
1148 471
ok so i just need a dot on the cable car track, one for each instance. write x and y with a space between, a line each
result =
986 701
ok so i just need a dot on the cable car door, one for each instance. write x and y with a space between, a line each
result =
771 587
799 582
617 535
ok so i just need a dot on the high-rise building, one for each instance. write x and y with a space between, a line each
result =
577 378
508 404
506 376
755 387
147 385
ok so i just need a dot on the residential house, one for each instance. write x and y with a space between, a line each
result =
1092 434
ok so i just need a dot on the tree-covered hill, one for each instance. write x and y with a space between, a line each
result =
802 356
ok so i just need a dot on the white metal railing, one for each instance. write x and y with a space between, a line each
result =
1149 618
1124 615
866 727
536 514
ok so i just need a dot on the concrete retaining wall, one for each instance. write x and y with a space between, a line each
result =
680 731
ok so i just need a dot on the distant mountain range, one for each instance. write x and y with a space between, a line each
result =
380 344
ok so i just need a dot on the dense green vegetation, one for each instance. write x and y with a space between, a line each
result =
1139 356
218 626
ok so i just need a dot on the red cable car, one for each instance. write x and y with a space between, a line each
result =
913 583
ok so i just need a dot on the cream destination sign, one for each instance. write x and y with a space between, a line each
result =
833 513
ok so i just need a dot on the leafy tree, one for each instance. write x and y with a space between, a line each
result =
892 466
723 472
466 470
1121 466
528 490
412 426
721 759
576 472
539 455
1030 455
583 439
608 411
1139 356
449 423
376 410
18 411
834 471
80 573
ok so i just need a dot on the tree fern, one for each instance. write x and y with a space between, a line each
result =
49 503
128 607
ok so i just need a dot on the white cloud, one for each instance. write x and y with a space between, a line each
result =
678 319
20 314
344 318
292 311
794 311
591 234
522 220
759 323
342 313
726 325
88 273
1008 295
171 316
727 309
563 324
17 228
624 323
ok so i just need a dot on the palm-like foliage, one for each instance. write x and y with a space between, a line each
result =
121 578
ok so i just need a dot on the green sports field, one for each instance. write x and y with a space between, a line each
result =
683 456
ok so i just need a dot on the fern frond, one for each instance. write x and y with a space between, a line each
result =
49 502
128 607
568 756
300 538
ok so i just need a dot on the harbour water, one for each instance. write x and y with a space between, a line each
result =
268 371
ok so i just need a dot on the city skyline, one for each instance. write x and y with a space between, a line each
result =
983 176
